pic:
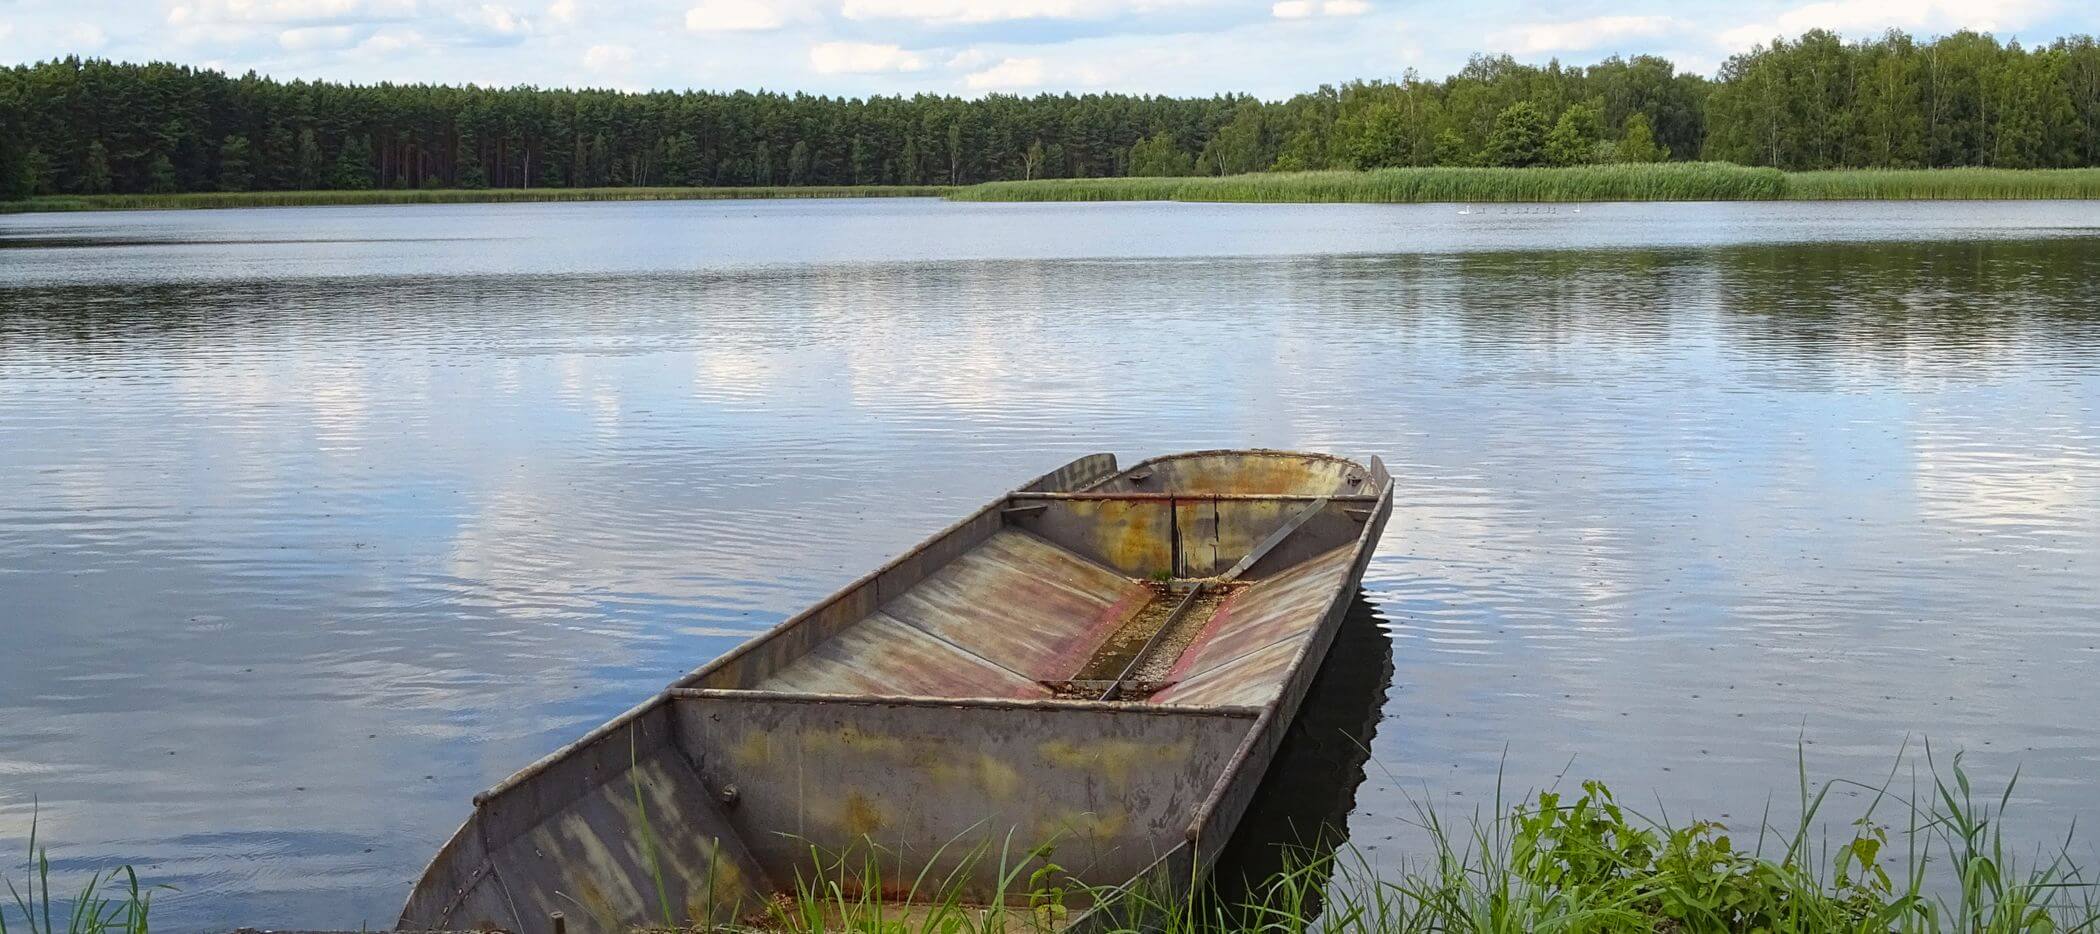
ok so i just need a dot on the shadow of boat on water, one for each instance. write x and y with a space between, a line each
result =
1300 812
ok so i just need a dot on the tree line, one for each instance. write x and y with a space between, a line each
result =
84 126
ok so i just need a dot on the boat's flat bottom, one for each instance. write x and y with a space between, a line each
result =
999 620
1147 632
1017 617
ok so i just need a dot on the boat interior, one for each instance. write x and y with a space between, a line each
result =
1072 593
1089 665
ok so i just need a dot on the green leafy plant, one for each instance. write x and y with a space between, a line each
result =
94 911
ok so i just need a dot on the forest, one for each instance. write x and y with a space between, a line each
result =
91 126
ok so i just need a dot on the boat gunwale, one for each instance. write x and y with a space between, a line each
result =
1358 558
1221 452
1270 712
1230 711
1226 497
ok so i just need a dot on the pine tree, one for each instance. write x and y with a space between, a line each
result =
160 175
235 165
308 174
908 168
94 170
36 172
466 161
798 163
353 165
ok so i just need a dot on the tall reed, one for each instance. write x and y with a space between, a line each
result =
1944 184
95 910
1667 181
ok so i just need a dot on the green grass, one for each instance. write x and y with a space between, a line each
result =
1668 181
93 911
1944 184
1934 859
271 199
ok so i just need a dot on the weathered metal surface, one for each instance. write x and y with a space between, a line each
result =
1285 606
1133 538
1109 786
884 656
1221 811
1188 535
1268 544
1272 472
575 839
1022 603
910 710
1076 475
758 659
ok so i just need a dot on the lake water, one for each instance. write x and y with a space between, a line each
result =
317 521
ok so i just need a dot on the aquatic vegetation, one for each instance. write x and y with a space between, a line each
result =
1943 184
1680 181
1668 181
95 910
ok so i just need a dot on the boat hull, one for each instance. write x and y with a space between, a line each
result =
926 726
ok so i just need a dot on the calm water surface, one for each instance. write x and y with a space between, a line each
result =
313 522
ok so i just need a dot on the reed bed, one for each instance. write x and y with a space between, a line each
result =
1668 181
271 199
1679 181
1944 184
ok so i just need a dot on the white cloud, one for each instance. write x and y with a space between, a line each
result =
970 60
387 43
611 59
995 11
1301 9
85 37
562 11
1582 34
1854 17
860 58
496 22
6 29
1013 74
287 11
735 16
307 38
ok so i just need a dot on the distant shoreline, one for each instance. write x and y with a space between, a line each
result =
198 200
1653 182
1663 181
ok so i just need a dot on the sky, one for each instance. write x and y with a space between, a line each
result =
1271 48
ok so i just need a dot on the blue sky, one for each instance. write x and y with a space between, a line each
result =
1267 47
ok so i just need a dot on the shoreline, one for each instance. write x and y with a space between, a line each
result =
213 200
1655 182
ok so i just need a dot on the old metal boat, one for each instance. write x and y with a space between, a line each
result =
1100 663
